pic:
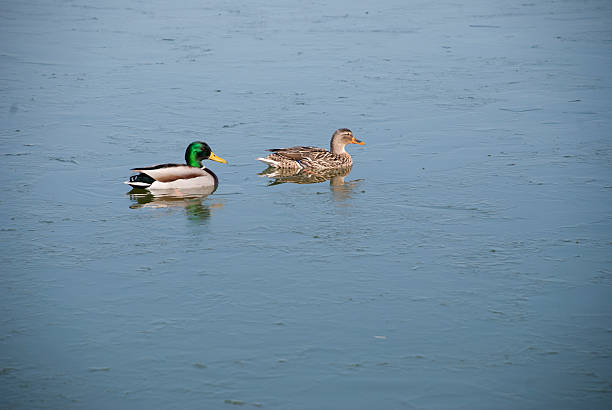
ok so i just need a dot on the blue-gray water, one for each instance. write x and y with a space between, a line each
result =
465 262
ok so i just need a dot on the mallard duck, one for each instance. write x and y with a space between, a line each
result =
314 158
190 175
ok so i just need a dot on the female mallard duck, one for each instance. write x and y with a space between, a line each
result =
179 176
314 158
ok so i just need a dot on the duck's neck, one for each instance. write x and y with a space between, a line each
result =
337 148
191 157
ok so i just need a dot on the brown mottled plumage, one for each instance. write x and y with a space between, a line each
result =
315 158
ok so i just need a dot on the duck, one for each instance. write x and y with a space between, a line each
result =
314 158
191 175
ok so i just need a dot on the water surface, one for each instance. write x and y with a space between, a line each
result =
464 262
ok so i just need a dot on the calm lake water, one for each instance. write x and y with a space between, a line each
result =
465 262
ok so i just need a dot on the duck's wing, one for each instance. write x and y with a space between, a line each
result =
299 153
172 172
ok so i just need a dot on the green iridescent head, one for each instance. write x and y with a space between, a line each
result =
198 151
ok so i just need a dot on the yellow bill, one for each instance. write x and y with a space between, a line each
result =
214 157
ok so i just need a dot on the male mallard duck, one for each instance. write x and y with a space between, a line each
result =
315 158
179 176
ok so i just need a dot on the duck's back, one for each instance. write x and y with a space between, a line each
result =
306 157
172 172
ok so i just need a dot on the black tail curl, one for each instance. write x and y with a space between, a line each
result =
142 178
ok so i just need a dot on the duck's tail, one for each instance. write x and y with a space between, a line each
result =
140 181
270 162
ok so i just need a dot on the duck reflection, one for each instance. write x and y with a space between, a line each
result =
191 200
340 188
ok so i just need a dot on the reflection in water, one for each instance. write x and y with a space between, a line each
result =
191 200
340 189
305 176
